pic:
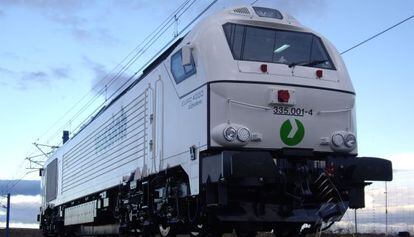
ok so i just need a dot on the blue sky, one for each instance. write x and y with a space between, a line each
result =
53 52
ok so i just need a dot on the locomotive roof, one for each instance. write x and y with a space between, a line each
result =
242 14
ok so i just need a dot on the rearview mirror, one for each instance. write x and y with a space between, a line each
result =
186 55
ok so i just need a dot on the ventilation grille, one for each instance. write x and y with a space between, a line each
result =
242 11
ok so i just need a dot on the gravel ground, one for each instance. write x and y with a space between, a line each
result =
37 233
22 233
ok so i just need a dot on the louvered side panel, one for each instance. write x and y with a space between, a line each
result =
116 145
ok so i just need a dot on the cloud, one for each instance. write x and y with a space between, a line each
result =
81 28
299 6
69 14
6 71
24 187
4 75
60 72
400 204
29 79
12 56
38 76
21 225
24 209
348 226
82 33
25 79
108 83
403 161
65 5
132 4
25 202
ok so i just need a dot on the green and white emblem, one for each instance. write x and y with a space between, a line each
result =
292 132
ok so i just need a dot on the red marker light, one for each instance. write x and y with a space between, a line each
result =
319 73
283 96
263 68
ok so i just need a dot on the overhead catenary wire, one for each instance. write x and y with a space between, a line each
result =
6 186
16 182
154 39
378 34
120 88
142 51
165 25
148 42
121 68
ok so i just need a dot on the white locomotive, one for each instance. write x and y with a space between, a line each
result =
247 123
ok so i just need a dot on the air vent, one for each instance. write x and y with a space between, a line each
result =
242 11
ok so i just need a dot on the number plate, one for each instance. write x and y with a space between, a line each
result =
292 111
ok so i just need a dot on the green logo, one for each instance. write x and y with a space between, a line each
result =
292 133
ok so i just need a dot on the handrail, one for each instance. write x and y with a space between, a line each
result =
335 111
247 104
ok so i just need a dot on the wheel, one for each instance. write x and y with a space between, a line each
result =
201 230
165 230
311 230
197 230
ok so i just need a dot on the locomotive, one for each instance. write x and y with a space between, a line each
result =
245 124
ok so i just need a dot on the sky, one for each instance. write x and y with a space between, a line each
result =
53 53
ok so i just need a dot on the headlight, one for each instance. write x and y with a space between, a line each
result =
350 140
230 134
337 140
243 134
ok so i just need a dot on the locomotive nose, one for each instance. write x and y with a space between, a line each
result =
262 116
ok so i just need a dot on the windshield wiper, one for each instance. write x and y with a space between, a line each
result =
307 63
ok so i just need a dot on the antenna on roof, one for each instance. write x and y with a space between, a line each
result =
175 26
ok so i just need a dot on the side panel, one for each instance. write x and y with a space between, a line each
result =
184 126
118 141
148 129
113 145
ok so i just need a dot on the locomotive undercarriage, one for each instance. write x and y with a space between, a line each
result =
245 192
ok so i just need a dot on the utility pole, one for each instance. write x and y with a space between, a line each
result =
8 216
386 209
356 221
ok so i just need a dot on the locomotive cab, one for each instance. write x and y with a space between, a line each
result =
282 144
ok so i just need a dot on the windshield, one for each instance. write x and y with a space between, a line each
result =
251 43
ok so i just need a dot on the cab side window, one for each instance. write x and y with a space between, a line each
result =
180 72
